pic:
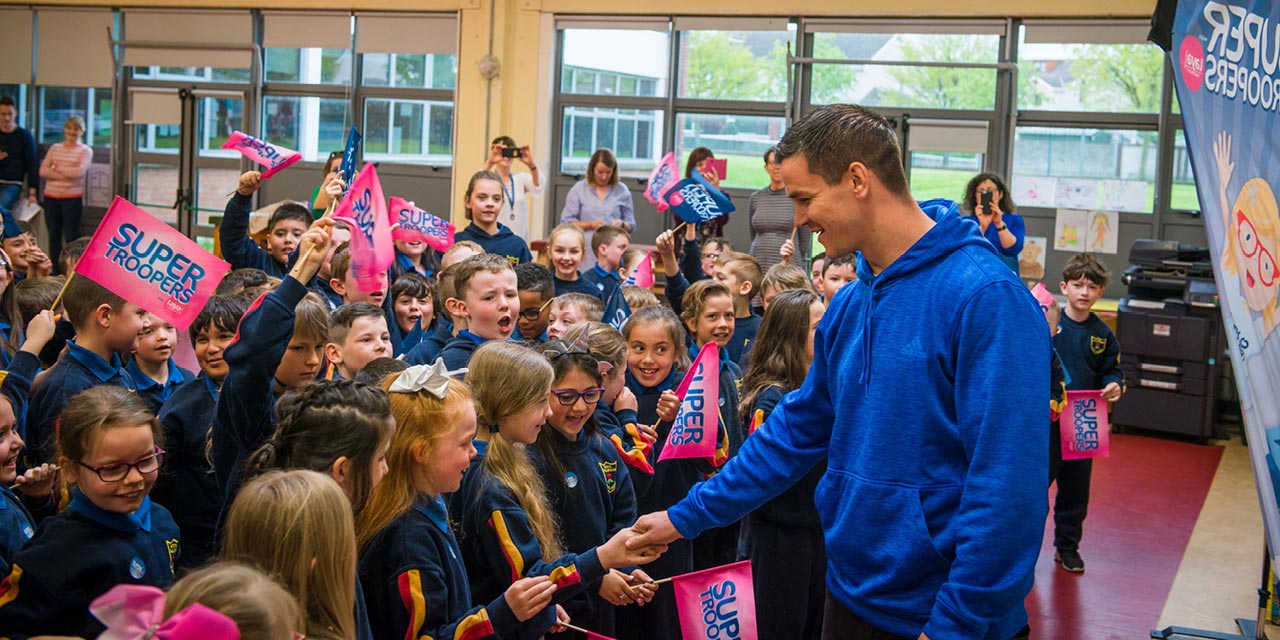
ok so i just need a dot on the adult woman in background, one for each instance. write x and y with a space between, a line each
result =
63 171
320 199
987 199
599 200
772 217
515 186
698 162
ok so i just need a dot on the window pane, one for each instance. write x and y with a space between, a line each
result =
415 71
1099 78
310 65
734 65
155 187
940 174
918 87
1086 164
408 131
604 62
158 138
311 125
191 74
59 103
1185 197
741 140
587 129
212 187
219 117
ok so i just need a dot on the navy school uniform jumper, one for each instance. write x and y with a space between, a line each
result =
19 514
186 485
458 351
744 333
237 247
499 547
322 287
619 428
245 417
933 509
415 584
575 286
403 265
504 243
429 348
783 539
691 263
604 282
1090 356
155 393
78 370
79 555
593 500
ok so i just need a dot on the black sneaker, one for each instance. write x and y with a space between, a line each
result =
1070 561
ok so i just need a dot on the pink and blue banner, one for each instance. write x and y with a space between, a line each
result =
693 434
411 224
642 275
696 201
364 209
274 157
663 177
1224 68
151 264
1083 426
717 603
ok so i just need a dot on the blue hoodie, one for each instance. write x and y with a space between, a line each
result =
933 504
504 243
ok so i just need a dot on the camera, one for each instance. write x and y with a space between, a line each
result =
511 152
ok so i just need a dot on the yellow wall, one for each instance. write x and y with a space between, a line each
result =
523 41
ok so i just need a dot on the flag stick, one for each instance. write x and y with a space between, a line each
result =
663 581
573 628
306 253
793 234
678 227
63 291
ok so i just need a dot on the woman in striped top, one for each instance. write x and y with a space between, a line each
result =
63 170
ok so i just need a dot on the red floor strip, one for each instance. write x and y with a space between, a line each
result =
1143 504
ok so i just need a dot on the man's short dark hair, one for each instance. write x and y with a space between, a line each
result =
6 101
838 135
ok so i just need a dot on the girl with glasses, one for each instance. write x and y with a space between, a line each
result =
111 533
588 483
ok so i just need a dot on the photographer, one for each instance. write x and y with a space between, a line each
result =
515 186
987 199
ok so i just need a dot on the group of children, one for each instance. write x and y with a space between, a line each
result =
458 454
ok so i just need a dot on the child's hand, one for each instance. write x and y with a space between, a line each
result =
39 332
626 400
37 482
333 186
528 596
318 237
666 243
615 553
562 621
648 432
249 183
615 590
788 250
38 264
1111 392
668 405
644 587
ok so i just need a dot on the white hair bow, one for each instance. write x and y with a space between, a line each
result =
433 378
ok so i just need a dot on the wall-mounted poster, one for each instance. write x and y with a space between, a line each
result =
1103 231
1031 260
1074 193
1033 191
1069 229
1125 195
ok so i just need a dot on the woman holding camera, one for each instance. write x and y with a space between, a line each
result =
987 199
599 200
514 213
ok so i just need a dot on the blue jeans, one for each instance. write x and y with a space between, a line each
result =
9 194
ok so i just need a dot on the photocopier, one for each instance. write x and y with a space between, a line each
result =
1171 340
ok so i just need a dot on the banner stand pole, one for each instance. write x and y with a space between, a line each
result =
1249 629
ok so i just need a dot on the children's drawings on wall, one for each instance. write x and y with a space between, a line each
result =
1074 193
1103 231
1069 230
1092 231
1033 191
1031 260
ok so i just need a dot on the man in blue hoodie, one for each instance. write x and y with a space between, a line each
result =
933 503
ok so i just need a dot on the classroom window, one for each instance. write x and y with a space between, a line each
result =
905 86
942 174
58 103
1085 168
311 125
740 140
193 74
1184 196
603 62
408 131
410 70
310 65
155 186
218 119
1095 78
734 65
633 135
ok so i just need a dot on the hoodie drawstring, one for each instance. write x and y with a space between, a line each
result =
864 377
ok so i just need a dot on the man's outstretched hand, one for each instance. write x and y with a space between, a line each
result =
654 529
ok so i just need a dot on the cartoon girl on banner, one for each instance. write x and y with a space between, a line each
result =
1250 244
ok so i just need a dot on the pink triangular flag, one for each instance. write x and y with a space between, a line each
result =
364 209
717 603
693 434
642 275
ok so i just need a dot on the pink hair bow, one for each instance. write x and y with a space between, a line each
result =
136 612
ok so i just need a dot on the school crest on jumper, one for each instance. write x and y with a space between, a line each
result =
171 545
610 472
1097 345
